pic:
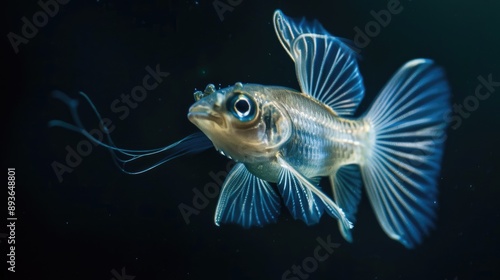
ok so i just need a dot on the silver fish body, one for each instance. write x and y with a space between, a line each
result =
319 140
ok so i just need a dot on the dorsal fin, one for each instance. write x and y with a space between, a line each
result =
326 67
287 29
327 70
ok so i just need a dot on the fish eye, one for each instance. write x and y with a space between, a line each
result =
242 107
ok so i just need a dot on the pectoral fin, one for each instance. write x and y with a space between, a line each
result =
246 200
304 200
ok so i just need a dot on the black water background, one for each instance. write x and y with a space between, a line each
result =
99 219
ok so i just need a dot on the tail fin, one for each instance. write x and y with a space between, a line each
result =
402 163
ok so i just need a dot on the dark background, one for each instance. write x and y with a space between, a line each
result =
99 220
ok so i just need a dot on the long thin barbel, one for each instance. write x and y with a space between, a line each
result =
194 143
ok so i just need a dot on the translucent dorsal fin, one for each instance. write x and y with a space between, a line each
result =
326 66
328 71
287 29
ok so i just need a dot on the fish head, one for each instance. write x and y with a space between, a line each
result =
241 121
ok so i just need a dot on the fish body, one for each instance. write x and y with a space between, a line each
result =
313 139
320 139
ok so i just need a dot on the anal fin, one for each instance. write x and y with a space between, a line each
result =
346 183
307 196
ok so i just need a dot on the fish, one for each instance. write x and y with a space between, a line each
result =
293 138
284 141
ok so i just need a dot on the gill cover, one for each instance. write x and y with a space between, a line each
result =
278 126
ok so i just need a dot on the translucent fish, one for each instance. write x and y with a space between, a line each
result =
293 138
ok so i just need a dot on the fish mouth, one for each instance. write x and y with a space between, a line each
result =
199 114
